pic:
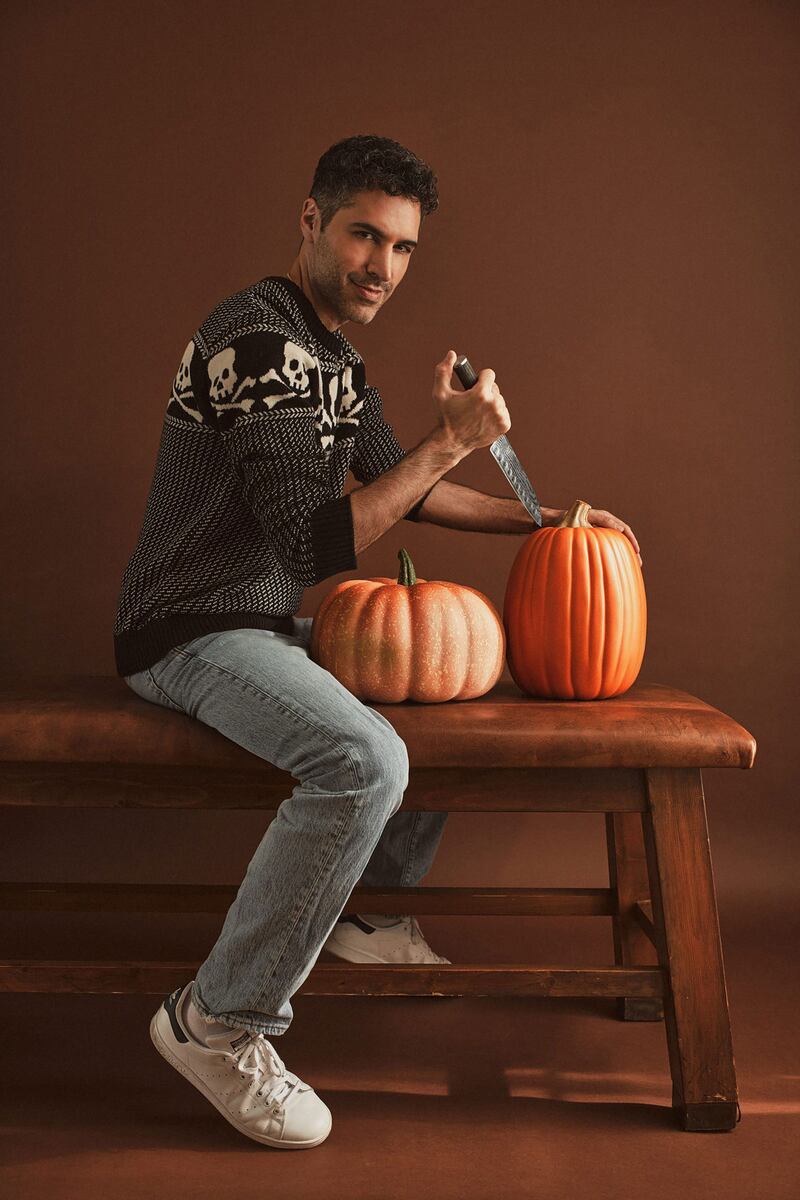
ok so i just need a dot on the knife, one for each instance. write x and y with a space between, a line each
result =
501 449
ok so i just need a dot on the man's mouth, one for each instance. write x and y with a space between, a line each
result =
371 293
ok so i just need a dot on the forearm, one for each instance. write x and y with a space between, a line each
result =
385 501
458 507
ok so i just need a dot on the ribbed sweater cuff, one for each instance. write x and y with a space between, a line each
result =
333 538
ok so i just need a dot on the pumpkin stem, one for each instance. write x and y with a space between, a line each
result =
576 517
408 575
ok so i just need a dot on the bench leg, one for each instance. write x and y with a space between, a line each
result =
627 873
685 912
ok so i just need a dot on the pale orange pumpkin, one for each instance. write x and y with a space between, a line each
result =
575 612
389 640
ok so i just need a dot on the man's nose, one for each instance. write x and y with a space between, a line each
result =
380 263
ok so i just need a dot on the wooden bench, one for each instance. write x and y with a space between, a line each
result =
90 742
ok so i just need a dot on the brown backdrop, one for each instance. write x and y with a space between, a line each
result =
617 238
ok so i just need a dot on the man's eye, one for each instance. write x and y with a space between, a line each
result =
365 233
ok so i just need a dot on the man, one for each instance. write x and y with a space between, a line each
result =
269 410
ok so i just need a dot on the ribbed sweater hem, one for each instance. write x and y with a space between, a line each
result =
138 649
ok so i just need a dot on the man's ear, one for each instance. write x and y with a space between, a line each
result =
309 220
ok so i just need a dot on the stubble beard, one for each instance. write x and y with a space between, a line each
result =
334 289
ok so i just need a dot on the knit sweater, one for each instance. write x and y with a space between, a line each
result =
268 411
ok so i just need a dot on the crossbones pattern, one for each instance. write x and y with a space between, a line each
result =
182 390
298 379
342 407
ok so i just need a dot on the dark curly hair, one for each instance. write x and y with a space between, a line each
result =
367 163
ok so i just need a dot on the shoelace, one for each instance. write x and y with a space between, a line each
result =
265 1061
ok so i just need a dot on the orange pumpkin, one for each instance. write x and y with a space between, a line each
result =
389 640
575 612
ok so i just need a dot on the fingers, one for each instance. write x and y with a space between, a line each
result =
601 517
486 382
626 529
486 387
443 374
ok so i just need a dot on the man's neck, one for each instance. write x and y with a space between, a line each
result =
298 274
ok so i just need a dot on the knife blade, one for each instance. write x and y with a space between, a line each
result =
501 449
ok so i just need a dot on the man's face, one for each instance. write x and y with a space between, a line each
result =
367 243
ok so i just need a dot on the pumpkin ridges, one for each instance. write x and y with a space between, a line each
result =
625 666
478 618
626 676
617 613
352 607
472 624
638 603
403 607
556 626
449 654
334 620
597 632
641 601
642 597
374 638
460 652
633 625
327 602
376 668
487 625
479 611
598 617
467 674
571 661
484 623
494 623
427 610
581 594
560 597
406 602
575 611
581 600
581 597
536 576
331 598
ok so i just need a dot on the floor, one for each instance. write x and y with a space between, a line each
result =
444 1097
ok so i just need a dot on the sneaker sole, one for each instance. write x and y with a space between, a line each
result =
264 1140
361 956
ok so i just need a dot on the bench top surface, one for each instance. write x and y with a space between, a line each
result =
98 719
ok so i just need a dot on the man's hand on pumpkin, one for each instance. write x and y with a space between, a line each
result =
599 516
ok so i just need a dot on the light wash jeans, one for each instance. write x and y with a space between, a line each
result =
340 826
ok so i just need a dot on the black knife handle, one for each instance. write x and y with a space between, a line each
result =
465 372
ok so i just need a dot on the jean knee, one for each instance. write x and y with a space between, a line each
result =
388 769
375 762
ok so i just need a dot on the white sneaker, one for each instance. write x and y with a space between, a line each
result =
242 1075
355 940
